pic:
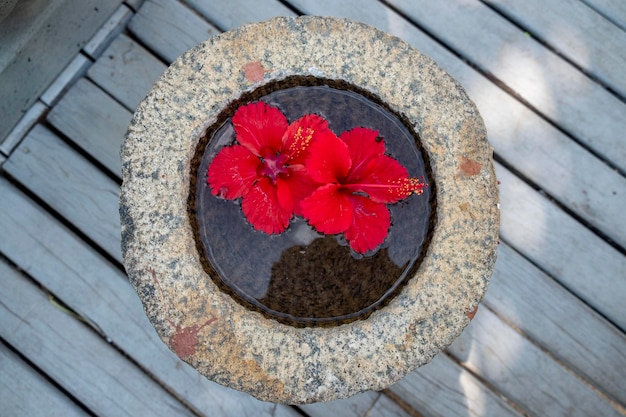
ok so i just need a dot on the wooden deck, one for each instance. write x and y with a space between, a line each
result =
549 77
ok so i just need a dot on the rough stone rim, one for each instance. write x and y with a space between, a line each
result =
240 348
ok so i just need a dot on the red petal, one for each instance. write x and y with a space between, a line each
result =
328 160
262 209
259 125
285 195
370 224
301 186
301 133
383 179
232 172
328 209
364 145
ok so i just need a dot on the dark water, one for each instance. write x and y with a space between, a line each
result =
301 277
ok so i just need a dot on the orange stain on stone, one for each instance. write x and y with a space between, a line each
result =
254 72
471 313
184 341
469 167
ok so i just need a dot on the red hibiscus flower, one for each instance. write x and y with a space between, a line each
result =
266 167
358 181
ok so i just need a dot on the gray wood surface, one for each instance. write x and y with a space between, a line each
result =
169 28
523 372
126 71
38 40
554 87
444 388
366 404
235 13
92 370
94 121
69 184
552 317
613 10
101 294
577 32
109 31
134 4
538 150
28 393
74 70
559 245
26 123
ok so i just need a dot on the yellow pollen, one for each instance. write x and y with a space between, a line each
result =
302 139
407 186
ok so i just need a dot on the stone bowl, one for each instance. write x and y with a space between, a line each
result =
239 347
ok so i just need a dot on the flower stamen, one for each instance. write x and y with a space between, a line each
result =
302 140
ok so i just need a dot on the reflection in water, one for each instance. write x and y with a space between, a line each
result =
323 280
301 277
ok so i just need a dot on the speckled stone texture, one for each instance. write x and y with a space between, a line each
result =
240 348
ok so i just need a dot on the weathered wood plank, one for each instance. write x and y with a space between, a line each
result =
24 392
386 407
556 164
25 124
134 4
559 322
94 121
111 29
575 31
443 388
169 28
613 10
366 404
231 14
101 294
536 149
523 372
70 185
550 84
38 41
71 73
93 371
574 256
126 71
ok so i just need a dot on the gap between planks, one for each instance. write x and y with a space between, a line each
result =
564 364
575 32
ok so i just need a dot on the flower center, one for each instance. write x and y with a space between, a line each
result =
273 164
